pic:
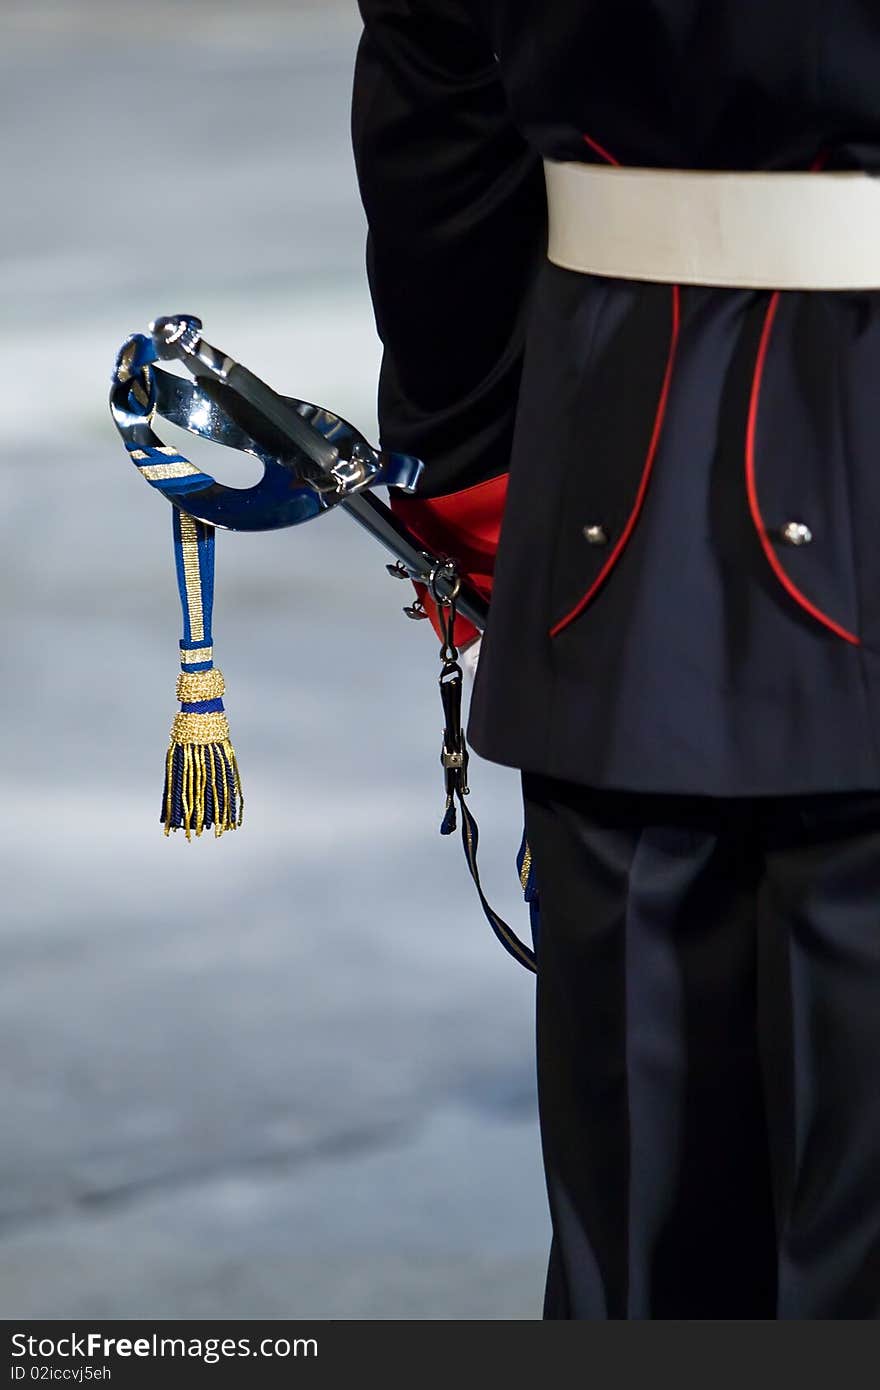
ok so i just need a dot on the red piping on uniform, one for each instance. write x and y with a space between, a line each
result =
646 473
652 446
754 506
601 151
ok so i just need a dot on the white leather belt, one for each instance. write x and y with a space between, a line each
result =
762 230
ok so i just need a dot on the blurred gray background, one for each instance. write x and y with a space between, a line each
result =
289 1073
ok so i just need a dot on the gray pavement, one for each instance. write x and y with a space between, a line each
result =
289 1073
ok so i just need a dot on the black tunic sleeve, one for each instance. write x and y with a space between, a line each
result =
456 211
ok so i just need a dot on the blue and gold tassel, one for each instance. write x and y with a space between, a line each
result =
202 785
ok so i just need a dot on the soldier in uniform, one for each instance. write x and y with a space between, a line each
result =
624 260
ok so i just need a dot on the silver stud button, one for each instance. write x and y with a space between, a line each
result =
596 535
796 533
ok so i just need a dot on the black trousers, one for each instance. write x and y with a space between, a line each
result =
708 1052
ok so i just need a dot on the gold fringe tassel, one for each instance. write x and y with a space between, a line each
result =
202 783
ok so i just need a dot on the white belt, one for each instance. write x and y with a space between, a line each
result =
761 230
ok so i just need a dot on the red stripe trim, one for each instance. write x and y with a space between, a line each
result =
652 447
601 151
751 488
646 472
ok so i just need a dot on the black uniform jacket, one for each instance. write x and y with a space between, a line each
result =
651 628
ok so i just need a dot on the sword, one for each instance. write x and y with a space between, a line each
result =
317 447
313 461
